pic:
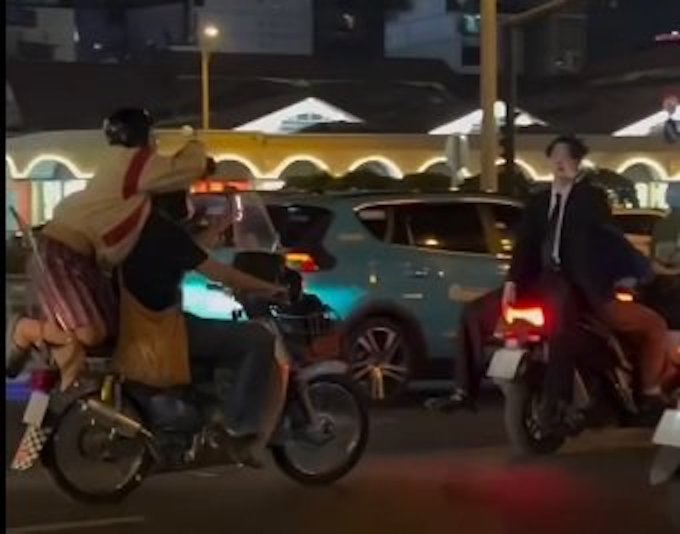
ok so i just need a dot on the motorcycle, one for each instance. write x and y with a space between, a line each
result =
604 388
100 441
666 466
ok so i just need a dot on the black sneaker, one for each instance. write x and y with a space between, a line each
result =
458 400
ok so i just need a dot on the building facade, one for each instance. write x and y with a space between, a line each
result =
41 169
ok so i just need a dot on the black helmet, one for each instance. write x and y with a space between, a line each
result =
129 127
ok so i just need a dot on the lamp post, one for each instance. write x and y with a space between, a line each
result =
207 40
489 88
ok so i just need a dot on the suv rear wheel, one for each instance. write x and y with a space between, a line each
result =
381 358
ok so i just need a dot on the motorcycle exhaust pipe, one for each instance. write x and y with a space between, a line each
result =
127 426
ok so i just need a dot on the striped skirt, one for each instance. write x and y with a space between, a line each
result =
71 286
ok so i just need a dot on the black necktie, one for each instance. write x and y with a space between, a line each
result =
551 234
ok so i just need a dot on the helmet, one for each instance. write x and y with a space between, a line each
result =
128 127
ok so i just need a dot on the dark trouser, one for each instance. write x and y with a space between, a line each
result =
247 348
564 306
477 325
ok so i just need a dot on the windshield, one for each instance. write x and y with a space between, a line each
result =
253 230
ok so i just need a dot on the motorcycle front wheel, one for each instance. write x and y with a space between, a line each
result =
90 461
323 451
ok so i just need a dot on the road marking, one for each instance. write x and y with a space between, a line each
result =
75 525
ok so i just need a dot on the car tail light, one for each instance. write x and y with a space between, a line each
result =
301 261
533 316
44 380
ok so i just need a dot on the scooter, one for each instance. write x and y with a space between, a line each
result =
666 466
604 387
100 441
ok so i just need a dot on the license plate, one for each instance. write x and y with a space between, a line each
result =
668 430
36 409
504 363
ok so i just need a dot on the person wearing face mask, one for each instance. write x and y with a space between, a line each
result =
91 232
551 260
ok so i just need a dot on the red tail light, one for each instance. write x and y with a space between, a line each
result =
44 380
302 262
533 316
624 296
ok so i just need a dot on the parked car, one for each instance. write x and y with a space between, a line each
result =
397 268
638 225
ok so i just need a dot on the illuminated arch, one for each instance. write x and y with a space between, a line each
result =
47 158
239 159
655 166
432 162
526 168
288 162
11 167
649 178
383 163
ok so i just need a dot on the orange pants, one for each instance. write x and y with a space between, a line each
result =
651 332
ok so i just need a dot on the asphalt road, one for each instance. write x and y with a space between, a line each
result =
425 473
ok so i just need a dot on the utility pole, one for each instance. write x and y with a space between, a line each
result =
489 80
511 27
510 38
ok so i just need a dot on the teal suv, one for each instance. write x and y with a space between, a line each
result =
398 269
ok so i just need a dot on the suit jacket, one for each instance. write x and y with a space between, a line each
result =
586 209
614 258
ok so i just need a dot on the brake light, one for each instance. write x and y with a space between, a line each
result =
44 380
533 316
302 262
624 296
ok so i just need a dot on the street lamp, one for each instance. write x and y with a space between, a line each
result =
207 40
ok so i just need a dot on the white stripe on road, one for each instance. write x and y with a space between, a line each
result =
75 525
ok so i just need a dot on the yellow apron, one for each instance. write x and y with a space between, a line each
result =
152 346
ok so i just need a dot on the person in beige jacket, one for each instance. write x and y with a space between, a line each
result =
91 232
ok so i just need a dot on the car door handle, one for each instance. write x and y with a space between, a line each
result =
422 272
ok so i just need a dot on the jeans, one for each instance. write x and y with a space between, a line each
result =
247 348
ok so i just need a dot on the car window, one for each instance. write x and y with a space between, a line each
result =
454 226
374 219
300 226
506 220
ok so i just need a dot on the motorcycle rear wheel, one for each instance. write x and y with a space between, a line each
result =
290 457
526 439
97 446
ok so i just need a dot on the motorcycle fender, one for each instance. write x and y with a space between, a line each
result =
328 367
666 463
667 432
30 447
505 364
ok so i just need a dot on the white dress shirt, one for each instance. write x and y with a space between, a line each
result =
559 188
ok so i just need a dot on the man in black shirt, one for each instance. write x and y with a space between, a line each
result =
153 327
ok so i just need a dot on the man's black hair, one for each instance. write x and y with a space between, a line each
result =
173 205
577 148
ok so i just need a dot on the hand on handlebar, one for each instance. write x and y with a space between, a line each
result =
276 295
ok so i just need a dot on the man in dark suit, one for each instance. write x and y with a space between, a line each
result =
551 260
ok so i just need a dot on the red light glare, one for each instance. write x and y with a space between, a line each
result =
302 262
533 316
